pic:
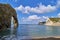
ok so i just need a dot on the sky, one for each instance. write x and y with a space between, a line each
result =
34 11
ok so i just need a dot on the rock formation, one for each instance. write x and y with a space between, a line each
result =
53 22
41 23
6 12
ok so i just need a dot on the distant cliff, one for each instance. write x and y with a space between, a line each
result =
6 12
41 23
53 22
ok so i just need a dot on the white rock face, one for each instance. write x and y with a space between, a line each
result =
13 22
50 23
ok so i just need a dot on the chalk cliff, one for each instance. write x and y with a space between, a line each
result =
53 22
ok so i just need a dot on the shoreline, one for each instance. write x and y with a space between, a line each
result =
29 37
44 38
37 38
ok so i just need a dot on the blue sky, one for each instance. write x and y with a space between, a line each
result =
34 11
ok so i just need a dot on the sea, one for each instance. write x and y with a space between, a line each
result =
29 31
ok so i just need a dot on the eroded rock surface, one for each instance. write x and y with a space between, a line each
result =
6 12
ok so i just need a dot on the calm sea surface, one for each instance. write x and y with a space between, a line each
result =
29 31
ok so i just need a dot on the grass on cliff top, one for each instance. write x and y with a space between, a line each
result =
55 19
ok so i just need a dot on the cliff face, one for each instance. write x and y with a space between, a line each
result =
6 12
53 22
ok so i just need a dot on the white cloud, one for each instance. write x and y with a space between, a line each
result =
58 4
45 17
33 19
52 16
30 18
14 0
23 9
38 9
58 15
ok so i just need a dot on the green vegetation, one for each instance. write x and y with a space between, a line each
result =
55 19
6 12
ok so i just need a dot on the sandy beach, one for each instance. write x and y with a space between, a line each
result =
50 38
45 38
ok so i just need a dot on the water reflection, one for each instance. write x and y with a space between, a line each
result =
22 30
53 30
29 31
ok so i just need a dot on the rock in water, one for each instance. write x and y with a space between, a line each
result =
6 12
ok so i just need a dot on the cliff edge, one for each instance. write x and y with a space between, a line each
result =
6 12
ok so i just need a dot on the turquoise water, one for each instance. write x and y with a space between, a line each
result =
38 30
24 31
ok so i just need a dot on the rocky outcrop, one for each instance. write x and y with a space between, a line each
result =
6 12
53 22
41 23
